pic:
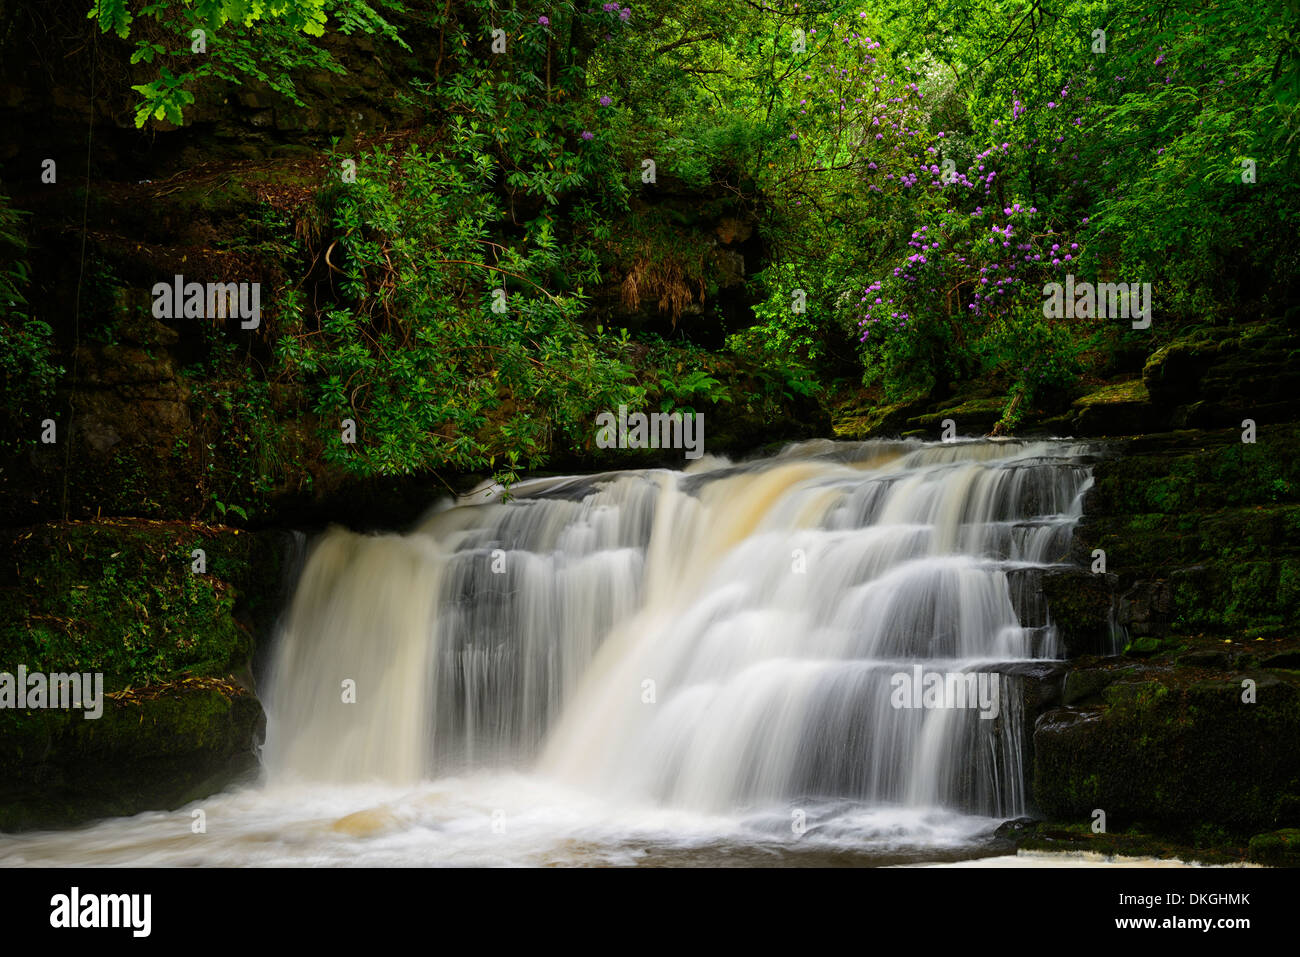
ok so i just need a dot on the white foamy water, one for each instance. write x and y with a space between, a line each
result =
652 667
487 820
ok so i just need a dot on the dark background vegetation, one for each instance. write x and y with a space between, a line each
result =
879 165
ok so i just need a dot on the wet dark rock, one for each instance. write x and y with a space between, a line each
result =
158 753
1085 684
1080 602
1040 683
1204 658
1288 659
1015 828
1173 373
1169 748
1144 609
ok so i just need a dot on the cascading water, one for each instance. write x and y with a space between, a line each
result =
655 665
715 639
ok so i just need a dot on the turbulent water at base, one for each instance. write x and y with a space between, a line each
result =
655 666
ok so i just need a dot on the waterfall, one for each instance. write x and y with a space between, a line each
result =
722 638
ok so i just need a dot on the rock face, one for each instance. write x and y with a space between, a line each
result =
175 647
1213 378
681 264
1082 607
1201 530
1189 732
1174 749
152 424
182 743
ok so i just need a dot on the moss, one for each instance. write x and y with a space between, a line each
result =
860 418
1079 603
972 415
179 743
1229 597
1235 537
1177 472
1118 408
1288 583
1145 645
1205 845
1085 684
1279 848
1171 747
1202 530
1119 392
121 598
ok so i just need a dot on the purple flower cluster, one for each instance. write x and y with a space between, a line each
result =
984 250
980 258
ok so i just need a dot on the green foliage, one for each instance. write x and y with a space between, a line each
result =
28 373
122 601
1144 143
435 366
686 377
919 172
233 40
1117 166
239 441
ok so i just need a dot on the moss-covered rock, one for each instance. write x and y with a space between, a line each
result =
1119 408
974 415
1278 848
1170 747
1205 845
1087 684
1080 604
174 647
148 751
1173 372
1201 529
859 416
1145 645
122 598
